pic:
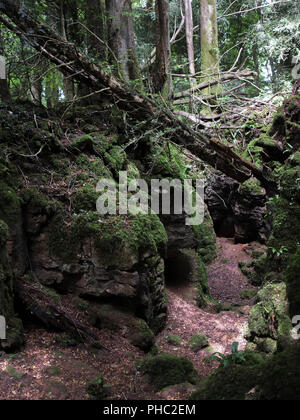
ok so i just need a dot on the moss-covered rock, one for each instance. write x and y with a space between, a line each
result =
119 319
198 342
174 340
10 209
206 238
269 317
275 378
84 199
252 186
165 370
167 162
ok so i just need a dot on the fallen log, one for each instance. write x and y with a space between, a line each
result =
138 106
41 306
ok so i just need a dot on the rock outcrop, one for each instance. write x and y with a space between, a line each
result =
237 210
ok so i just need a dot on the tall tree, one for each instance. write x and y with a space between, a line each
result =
189 26
95 20
209 46
69 88
162 77
121 39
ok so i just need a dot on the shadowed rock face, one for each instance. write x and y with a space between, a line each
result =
238 211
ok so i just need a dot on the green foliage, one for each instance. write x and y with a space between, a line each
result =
236 357
165 370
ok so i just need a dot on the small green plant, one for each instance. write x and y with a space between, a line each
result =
235 358
278 252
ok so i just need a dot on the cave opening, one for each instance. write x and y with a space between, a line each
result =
178 269
225 227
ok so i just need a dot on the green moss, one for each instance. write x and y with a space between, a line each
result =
116 319
206 238
140 233
94 166
252 186
115 158
36 202
281 376
142 337
274 378
132 171
102 143
290 183
258 321
279 124
292 275
84 199
174 340
269 318
10 209
83 143
231 383
203 293
198 342
285 234
248 294
167 162
4 233
165 370
253 153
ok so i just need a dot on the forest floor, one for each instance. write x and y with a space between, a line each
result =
47 368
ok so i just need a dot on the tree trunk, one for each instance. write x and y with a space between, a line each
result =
138 106
95 19
121 40
209 47
69 88
189 30
162 77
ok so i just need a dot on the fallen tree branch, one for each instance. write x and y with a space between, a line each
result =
42 306
244 74
139 107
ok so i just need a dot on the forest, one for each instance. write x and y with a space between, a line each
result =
149 201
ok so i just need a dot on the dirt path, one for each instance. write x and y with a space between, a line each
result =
221 329
226 281
46 369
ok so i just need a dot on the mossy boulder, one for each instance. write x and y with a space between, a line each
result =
174 340
198 342
274 378
165 370
118 319
285 235
252 186
269 317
